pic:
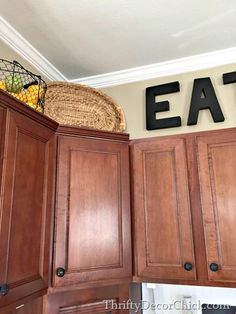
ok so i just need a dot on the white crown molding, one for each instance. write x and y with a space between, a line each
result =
194 63
22 47
177 66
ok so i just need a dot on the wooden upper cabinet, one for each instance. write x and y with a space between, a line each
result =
217 175
162 219
26 205
92 231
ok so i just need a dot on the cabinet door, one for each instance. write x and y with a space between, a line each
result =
31 307
102 307
99 300
92 239
25 207
163 229
217 173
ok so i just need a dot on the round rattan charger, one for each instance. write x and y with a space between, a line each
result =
80 105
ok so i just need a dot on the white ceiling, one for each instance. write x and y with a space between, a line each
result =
83 38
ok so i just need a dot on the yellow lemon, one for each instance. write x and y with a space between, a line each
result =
22 96
33 99
39 109
16 95
36 90
30 104
2 85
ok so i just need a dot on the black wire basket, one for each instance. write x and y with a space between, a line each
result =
22 84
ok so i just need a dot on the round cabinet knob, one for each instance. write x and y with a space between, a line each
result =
214 267
60 272
188 266
4 289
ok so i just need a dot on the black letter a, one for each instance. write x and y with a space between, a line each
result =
204 97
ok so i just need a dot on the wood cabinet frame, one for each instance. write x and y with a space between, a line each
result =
196 203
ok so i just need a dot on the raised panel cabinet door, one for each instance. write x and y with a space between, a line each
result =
26 186
162 218
217 175
92 232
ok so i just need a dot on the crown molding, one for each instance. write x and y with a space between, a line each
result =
173 67
22 47
188 64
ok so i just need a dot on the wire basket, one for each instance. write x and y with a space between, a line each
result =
22 84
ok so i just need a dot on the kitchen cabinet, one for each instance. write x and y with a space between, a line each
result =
90 308
217 175
92 226
184 208
89 170
65 212
30 307
26 182
99 300
162 217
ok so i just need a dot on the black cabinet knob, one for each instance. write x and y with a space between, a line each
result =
188 266
60 272
4 289
214 267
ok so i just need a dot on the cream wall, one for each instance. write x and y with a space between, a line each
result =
132 99
9 54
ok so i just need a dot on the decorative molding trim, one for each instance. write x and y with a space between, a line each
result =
188 64
21 46
162 69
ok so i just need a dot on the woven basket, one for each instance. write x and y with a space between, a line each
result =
79 105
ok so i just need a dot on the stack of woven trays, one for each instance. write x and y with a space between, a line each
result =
83 106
